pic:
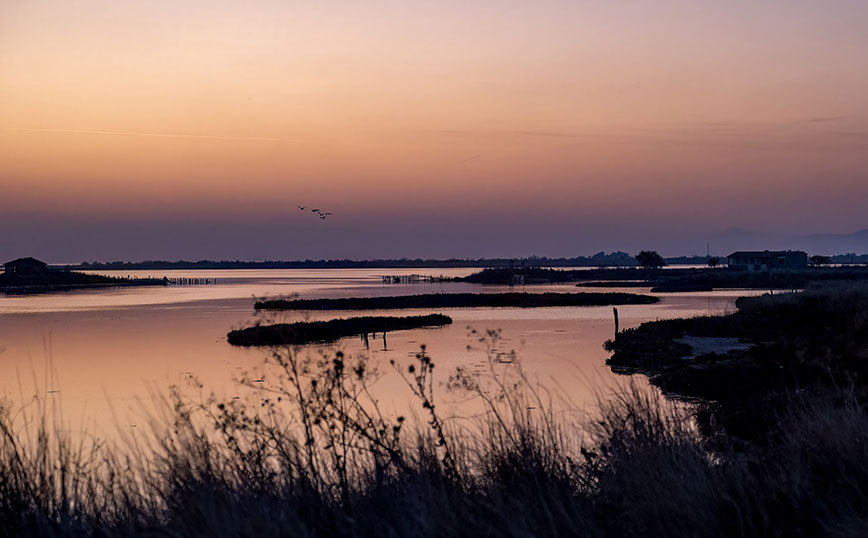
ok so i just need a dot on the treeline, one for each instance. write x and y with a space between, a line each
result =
850 257
598 259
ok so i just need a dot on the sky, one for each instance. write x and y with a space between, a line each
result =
190 129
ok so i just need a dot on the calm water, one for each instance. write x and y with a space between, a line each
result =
102 354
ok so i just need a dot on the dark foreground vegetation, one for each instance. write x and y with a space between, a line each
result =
59 280
673 279
307 332
458 300
811 343
313 454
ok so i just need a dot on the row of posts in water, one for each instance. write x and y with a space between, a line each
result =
410 279
184 281
365 338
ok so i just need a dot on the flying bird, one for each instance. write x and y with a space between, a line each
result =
322 214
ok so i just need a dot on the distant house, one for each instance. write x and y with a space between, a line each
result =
768 260
25 266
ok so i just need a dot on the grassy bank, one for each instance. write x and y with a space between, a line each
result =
307 332
707 279
458 300
802 343
65 280
537 275
674 279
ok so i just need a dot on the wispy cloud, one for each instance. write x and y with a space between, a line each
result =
153 135
702 132
511 132
824 119
854 134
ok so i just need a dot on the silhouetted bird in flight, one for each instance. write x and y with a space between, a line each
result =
322 214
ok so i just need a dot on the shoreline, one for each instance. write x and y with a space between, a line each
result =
743 368
672 279
459 300
320 332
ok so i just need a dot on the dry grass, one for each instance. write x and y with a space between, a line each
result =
317 458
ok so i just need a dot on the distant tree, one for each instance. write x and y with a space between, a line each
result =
650 259
820 260
713 261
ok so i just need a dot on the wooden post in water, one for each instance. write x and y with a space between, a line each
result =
615 311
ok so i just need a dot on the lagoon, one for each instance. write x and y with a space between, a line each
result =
100 356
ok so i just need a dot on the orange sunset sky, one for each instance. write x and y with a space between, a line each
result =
191 129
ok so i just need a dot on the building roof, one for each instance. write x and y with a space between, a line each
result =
761 253
27 261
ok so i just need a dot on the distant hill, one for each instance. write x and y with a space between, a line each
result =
836 243
828 244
